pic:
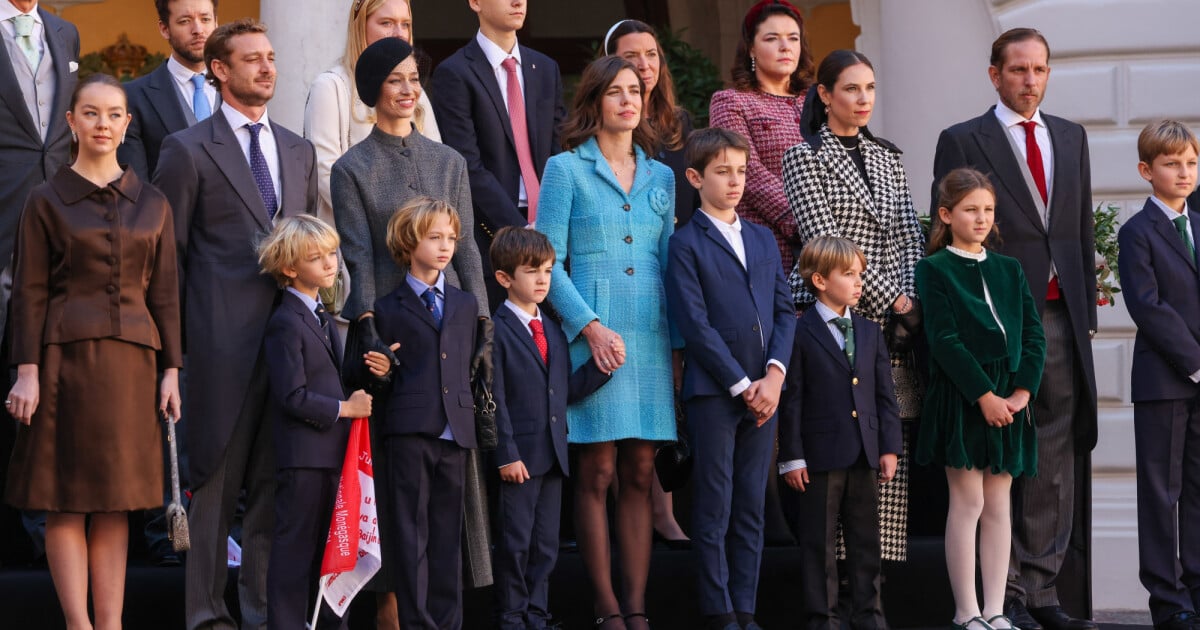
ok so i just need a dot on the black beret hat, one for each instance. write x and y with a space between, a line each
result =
375 64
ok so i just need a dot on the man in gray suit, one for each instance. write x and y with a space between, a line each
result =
1039 166
38 60
228 178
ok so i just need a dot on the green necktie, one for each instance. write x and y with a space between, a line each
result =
847 327
23 24
1181 227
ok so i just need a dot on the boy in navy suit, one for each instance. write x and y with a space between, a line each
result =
1162 291
727 295
428 425
308 412
839 435
532 386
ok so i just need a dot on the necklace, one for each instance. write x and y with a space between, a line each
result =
619 169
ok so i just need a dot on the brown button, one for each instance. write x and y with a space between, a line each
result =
628 239
110 288
629 271
853 381
112 260
625 207
853 414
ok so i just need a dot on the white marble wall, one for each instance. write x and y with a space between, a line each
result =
309 37
1116 65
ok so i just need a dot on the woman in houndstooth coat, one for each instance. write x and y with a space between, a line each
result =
844 181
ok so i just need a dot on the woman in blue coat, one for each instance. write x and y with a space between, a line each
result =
609 212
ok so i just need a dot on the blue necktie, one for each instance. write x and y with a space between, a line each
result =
200 106
262 174
430 297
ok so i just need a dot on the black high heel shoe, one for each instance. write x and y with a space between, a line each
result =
603 619
674 544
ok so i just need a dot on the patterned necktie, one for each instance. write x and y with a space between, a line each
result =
1181 227
262 174
200 106
430 297
323 316
516 117
23 24
1033 157
845 325
539 338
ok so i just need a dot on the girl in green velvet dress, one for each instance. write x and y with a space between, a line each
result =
987 350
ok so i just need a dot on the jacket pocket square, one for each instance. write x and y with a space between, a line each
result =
72 66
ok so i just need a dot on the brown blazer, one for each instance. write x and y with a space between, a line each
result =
95 263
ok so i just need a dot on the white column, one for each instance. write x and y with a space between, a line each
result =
309 37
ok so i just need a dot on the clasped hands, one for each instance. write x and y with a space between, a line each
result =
998 411
762 397
608 349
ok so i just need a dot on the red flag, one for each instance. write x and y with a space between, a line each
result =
352 552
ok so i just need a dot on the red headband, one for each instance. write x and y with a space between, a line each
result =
755 11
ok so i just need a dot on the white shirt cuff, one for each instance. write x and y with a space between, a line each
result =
789 466
779 364
339 411
1195 376
739 387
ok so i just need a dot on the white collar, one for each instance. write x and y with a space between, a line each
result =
736 226
981 256
1010 118
827 313
524 317
8 12
237 119
182 73
495 54
1171 214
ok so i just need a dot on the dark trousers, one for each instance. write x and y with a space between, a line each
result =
1167 442
853 494
303 507
425 479
731 461
1043 507
527 549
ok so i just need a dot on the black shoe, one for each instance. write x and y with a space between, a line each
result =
168 559
1019 615
1182 620
752 626
568 545
1055 618
674 544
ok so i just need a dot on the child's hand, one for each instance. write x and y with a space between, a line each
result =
359 405
795 479
995 410
377 363
515 472
1018 400
887 467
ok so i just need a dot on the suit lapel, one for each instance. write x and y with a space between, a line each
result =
995 145
508 318
1061 154
10 92
163 96
310 321
487 78
533 81
64 78
291 171
1166 229
410 301
227 154
714 234
864 345
842 168
820 330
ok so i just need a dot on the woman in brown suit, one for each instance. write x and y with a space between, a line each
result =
95 316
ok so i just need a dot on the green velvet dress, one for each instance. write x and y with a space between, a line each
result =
971 354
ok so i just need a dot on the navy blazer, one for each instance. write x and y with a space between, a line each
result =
432 384
1161 289
733 319
830 412
473 119
532 395
157 112
302 363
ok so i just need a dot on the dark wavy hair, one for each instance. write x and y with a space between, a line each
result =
744 78
954 187
585 120
661 111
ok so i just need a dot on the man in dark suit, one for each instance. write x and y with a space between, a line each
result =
38 60
499 104
227 178
177 94
1039 165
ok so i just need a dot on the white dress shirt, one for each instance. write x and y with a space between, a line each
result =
8 12
1011 121
828 316
183 80
524 317
496 56
266 139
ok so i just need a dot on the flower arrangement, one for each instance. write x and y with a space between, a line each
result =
1107 276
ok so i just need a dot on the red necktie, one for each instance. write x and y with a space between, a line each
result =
516 117
1033 157
539 338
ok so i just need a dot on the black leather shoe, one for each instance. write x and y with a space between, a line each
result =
1019 615
1183 620
1055 618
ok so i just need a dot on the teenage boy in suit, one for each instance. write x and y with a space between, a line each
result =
499 104
1162 291
533 384
309 413
429 422
728 297
839 435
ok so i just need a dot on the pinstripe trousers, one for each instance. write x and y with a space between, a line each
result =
1043 506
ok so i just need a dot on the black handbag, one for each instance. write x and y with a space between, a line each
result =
902 329
673 462
481 387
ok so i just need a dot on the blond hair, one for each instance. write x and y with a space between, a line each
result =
827 255
356 43
290 241
1165 137
413 221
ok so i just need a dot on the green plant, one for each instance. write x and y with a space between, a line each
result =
696 76
1107 276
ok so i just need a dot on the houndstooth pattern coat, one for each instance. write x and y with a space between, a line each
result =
828 197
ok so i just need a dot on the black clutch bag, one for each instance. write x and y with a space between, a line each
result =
673 462
481 387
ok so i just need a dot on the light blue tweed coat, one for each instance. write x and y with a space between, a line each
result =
615 244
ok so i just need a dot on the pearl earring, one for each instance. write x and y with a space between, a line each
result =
74 138
752 64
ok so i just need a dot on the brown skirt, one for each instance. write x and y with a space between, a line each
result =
94 444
